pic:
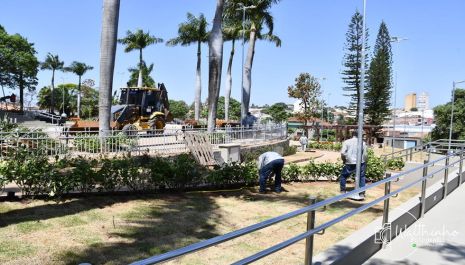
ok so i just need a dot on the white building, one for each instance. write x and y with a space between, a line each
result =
423 102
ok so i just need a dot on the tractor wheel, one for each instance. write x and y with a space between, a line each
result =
129 129
157 125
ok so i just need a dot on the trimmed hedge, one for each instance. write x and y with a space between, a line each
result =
331 146
39 175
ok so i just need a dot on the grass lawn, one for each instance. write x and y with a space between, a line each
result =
122 229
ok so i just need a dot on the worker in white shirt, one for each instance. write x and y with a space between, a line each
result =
303 142
267 163
349 158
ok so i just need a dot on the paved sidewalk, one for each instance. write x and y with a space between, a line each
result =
438 238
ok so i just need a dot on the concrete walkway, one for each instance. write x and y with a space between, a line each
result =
438 238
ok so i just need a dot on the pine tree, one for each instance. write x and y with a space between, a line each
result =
353 60
378 95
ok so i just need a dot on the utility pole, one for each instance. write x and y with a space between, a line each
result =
358 166
452 114
395 39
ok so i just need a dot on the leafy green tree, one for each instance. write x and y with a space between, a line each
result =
62 91
234 109
353 60
89 107
308 90
378 94
139 40
258 20
179 109
147 80
194 30
79 69
108 42
89 103
18 63
442 115
278 112
53 63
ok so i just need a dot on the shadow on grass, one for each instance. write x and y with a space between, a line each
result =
158 224
48 211
152 230
302 200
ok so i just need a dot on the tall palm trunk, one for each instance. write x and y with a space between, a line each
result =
215 58
198 84
139 80
227 96
52 99
107 61
79 98
247 82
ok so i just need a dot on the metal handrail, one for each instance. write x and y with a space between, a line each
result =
419 148
308 209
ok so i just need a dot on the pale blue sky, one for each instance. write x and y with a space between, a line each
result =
312 33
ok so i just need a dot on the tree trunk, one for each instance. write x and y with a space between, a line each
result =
198 85
107 61
215 58
52 96
139 80
247 82
79 98
227 95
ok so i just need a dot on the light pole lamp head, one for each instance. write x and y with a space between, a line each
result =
397 39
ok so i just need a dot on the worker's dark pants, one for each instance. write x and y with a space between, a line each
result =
348 170
275 166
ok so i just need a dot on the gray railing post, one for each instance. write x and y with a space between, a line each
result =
460 167
446 177
411 154
387 190
429 154
423 189
309 240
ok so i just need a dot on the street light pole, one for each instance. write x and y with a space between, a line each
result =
395 39
243 8
452 113
358 166
63 93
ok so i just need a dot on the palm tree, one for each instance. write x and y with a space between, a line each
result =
259 17
79 69
215 62
108 42
232 31
138 40
194 30
147 80
52 62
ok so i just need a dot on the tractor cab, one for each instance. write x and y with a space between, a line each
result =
142 108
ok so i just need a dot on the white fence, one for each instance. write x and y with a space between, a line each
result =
163 142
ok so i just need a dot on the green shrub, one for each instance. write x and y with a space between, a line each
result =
291 172
330 146
395 164
30 171
375 168
290 150
91 143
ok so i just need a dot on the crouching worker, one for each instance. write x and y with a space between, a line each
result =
270 162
